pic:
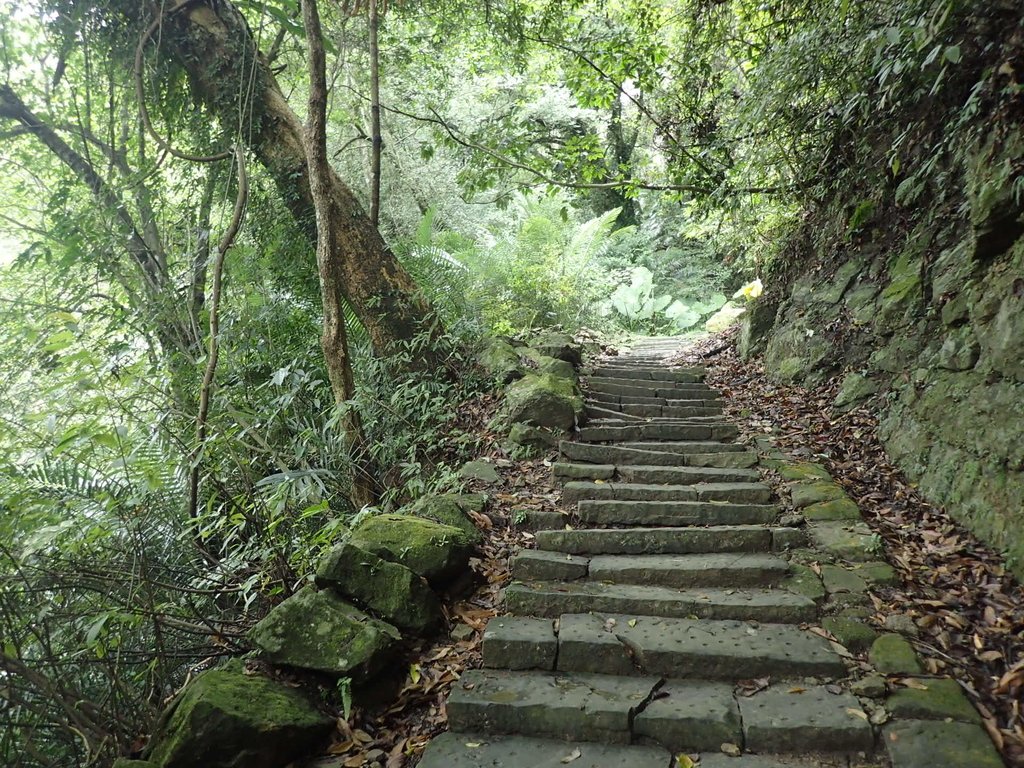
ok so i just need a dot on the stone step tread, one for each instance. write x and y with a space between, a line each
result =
551 600
596 453
624 388
671 540
679 715
624 419
672 513
646 383
625 644
475 750
654 474
653 431
680 571
707 399
748 493
683 375
686 446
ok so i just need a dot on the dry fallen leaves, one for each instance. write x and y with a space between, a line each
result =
967 607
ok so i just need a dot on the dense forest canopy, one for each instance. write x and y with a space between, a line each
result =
197 397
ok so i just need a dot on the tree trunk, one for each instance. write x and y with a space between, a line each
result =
376 141
215 46
334 339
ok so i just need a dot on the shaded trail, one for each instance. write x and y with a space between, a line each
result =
666 619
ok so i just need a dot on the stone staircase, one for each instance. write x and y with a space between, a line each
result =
658 623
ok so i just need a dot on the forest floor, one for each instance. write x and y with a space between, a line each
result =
967 607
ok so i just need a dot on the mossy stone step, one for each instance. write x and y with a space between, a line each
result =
625 388
581 708
689 648
661 541
677 715
670 411
711 398
685 571
473 750
653 431
791 718
687 447
602 382
597 453
638 473
680 375
554 599
737 493
680 571
672 513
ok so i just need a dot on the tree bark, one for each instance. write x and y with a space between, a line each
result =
335 338
377 142
212 42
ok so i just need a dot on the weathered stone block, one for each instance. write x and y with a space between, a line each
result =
893 655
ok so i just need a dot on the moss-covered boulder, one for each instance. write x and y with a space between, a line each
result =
228 719
893 655
481 471
558 345
437 552
543 400
317 630
388 590
560 368
450 509
500 359
755 326
854 390
534 440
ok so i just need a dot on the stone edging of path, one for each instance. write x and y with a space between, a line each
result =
923 717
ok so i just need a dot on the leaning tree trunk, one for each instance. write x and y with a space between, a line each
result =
212 41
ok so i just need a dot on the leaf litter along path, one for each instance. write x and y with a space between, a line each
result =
968 608
394 734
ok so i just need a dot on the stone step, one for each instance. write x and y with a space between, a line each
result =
679 571
651 431
657 541
664 389
709 399
666 411
657 474
596 453
625 644
592 411
685 446
552 599
476 750
634 373
672 513
739 493
615 419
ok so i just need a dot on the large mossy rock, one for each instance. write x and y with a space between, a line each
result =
543 400
755 326
450 509
439 553
388 590
228 719
558 345
500 359
317 630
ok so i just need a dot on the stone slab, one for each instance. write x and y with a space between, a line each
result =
520 642
684 375
640 541
837 509
564 471
682 571
851 541
740 493
690 715
765 605
541 565
930 744
789 718
942 698
673 513
893 655
687 446
577 707
689 648
631 473
837 579
468 750
806 493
